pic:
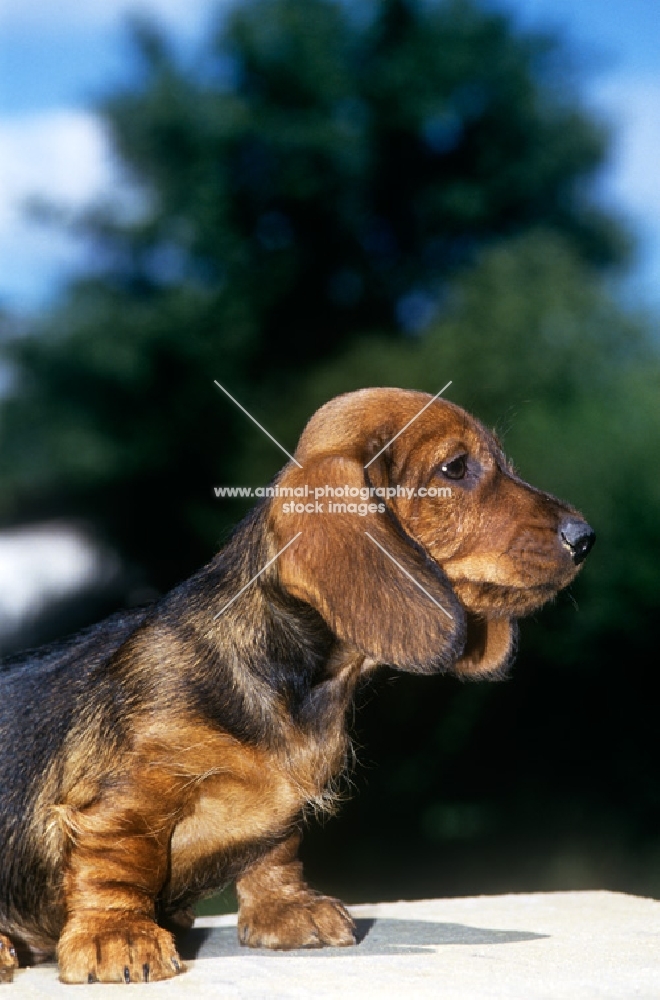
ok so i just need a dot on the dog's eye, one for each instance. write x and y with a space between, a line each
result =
455 469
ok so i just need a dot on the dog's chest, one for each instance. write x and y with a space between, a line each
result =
231 810
247 796
253 796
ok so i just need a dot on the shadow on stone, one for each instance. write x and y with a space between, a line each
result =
375 937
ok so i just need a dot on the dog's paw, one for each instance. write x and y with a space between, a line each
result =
307 921
116 948
8 960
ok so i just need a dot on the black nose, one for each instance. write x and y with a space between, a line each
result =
579 538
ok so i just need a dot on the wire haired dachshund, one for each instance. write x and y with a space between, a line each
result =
151 759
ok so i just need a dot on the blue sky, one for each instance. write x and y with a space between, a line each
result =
58 56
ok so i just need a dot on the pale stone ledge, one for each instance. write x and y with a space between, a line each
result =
554 946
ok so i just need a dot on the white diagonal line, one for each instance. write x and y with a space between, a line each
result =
410 577
406 427
262 570
215 382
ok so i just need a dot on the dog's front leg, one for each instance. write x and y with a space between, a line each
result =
117 862
8 960
278 910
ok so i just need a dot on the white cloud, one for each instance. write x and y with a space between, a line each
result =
632 105
55 15
63 157
42 563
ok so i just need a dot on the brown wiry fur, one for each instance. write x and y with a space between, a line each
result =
174 750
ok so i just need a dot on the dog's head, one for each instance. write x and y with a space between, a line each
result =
418 543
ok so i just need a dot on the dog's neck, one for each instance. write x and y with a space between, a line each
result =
271 662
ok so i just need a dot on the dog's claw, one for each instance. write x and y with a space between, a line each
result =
116 951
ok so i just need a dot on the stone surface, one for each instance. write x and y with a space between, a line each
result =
555 946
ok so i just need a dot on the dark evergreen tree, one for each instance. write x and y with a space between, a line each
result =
319 170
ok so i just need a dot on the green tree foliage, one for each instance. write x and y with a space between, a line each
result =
321 170
349 167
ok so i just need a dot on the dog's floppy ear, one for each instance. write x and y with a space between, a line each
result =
490 647
368 580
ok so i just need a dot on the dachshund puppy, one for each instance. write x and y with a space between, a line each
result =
151 759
